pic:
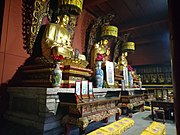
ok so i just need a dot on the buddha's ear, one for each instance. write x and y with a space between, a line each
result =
58 19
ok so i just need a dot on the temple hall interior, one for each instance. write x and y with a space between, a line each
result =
89 67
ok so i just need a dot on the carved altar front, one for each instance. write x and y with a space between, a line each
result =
131 100
87 110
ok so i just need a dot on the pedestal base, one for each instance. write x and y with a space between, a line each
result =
41 76
35 107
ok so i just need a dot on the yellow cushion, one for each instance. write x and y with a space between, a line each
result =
155 128
97 132
115 128
110 130
147 108
146 133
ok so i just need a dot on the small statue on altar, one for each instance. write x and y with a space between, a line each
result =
122 61
123 67
161 78
153 78
76 54
56 38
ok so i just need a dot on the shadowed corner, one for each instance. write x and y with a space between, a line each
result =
4 100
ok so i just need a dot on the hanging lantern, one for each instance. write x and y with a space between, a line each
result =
74 7
109 31
128 47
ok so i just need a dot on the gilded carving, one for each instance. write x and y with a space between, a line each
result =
33 14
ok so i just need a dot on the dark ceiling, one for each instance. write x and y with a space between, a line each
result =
145 20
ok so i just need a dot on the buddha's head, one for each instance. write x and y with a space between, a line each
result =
125 54
63 20
104 42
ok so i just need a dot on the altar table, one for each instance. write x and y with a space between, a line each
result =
87 110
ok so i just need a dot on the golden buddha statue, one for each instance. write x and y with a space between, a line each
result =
56 38
122 61
101 48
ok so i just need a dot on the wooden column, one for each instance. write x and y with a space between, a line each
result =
174 21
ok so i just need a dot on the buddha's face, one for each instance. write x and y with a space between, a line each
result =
108 52
65 20
105 42
124 54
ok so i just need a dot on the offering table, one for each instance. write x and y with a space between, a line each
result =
82 112
132 100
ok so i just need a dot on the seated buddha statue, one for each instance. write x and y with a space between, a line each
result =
101 48
122 61
56 38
